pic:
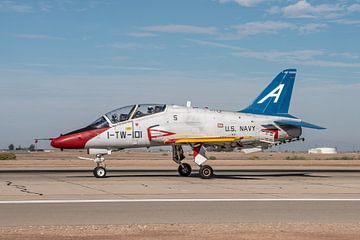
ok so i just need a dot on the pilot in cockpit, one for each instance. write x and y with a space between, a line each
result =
123 117
157 109
150 110
114 118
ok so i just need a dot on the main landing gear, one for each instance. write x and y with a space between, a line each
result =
206 172
200 158
184 169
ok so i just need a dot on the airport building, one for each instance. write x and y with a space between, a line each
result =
323 150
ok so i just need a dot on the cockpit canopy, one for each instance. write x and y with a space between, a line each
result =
120 114
125 113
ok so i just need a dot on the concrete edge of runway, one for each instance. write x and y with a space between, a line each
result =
139 200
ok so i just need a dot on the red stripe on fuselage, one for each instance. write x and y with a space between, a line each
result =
76 140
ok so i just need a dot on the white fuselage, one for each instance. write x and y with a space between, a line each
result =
177 122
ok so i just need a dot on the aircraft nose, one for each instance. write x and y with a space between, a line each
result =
74 141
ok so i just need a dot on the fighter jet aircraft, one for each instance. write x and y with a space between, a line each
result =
264 123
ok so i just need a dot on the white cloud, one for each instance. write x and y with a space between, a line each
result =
233 32
132 68
141 34
253 28
214 44
45 7
299 9
347 55
270 27
347 21
174 28
127 46
303 9
311 27
299 57
12 6
274 10
133 46
244 3
281 56
38 37
354 8
325 63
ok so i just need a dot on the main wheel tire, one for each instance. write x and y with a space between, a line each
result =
99 172
206 172
184 169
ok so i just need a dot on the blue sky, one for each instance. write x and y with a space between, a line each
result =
64 63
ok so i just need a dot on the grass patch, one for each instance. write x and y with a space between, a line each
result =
212 158
254 158
295 158
164 154
7 156
344 158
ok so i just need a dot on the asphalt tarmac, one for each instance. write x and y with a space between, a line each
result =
135 196
83 213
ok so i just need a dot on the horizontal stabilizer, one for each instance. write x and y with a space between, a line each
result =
299 124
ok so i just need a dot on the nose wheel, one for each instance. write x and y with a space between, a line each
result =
99 172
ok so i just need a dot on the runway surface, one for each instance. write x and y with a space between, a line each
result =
180 212
136 196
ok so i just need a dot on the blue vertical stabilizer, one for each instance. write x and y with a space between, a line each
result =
275 99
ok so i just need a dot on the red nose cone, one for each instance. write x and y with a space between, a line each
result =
75 140
69 141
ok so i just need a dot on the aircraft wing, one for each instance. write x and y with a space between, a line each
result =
213 140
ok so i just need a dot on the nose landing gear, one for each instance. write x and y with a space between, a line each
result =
100 169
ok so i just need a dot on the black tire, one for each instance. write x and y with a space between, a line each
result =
184 169
99 172
206 172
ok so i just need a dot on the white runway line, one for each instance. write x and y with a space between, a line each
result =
182 200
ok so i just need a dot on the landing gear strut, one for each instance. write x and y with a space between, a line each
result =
184 169
200 158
